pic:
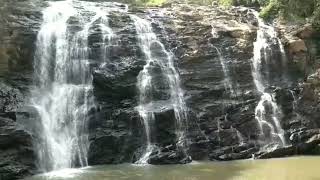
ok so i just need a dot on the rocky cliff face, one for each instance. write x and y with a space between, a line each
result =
208 43
19 21
17 155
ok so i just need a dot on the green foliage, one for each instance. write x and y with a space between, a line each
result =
271 10
145 2
226 2
289 8
298 8
200 2
153 2
292 10
242 2
316 16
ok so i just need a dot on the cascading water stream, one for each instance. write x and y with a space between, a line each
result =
157 57
261 50
227 78
64 87
64 93
295 100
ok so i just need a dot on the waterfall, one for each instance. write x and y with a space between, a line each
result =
227 78
63 95
224 64
295 100
262 49
157 59
108 36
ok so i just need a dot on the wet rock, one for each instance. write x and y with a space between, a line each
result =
278 152
241 155
20 21
16 151
309 146
242 151
196 35
165 126
116 138
116 130
168 156
199 148
203 79
16 147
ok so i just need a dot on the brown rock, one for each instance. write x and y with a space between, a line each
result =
296 46
306 32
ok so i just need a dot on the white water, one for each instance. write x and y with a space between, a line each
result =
219 130
64 93
262 49
224 64
227 78
147 103
295 100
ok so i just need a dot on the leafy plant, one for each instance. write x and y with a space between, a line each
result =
271 10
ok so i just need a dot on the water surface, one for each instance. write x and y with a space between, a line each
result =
297 168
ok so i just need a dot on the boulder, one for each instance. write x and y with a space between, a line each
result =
296 46
305 32
308 147
115 137
168 155
16 151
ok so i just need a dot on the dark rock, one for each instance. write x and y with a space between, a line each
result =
116 131
308 147
167 156
16 148
16 151
221 122
10 99
115 139
242 151
164 126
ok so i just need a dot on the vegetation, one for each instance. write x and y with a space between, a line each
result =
289 9
292 10
270 10
239 2
151 2
146 2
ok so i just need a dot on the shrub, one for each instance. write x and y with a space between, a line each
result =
271 10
